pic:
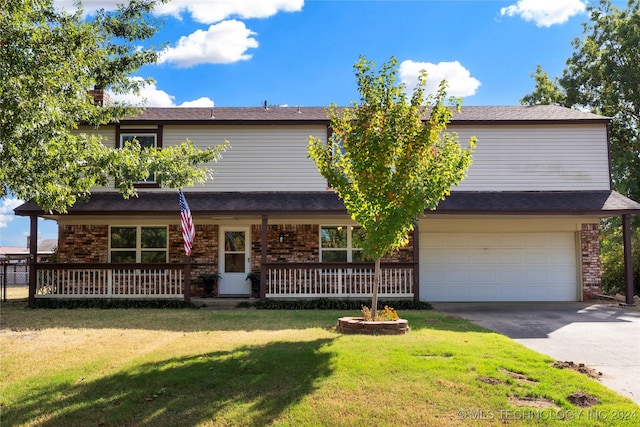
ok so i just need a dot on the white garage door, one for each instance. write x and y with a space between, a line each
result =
498 267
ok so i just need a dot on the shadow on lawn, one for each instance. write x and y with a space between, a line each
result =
16 317
250 385
436 320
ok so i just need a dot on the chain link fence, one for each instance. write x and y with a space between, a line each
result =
14 280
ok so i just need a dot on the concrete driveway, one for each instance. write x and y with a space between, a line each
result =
604 337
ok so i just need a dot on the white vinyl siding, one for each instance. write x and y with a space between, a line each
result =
545 157
108 134
536 158
261 158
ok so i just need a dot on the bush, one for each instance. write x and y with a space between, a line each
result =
332 304
386 314
611 256
111 303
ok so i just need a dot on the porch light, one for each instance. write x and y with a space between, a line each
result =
281 237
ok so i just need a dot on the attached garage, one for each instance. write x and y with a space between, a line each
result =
498 266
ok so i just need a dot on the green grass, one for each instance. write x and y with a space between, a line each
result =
289 368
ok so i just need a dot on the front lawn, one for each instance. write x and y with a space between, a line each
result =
153 367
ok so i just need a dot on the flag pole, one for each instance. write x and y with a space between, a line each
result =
188 235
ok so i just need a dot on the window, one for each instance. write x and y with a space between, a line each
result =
151 138
138 244
341 243
337 147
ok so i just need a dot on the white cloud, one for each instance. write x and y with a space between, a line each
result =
90 6
206 12
151 96
459 80
7 206
545 13
211 11
200 102
222 43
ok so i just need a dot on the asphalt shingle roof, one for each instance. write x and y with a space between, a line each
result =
474 114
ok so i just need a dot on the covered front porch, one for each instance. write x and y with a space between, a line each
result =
157 281
277 238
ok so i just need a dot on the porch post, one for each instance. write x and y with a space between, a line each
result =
416 262
263 256
33 257
187 279
628 260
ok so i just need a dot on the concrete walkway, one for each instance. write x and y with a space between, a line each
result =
219 303
605 337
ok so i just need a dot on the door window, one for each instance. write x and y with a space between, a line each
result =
234 251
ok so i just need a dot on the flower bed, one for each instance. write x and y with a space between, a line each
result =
357 325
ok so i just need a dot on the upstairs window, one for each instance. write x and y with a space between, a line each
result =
341 243
138 244
147 138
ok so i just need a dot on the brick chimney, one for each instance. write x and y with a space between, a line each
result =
101 98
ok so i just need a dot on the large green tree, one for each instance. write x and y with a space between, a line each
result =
389 158
603 75
49 60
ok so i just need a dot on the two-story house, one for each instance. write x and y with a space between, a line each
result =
523 225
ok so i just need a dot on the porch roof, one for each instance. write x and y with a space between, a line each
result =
597 203
157 203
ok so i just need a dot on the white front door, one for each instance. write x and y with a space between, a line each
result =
235 257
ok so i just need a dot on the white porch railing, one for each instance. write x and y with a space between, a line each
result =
338 280
109 281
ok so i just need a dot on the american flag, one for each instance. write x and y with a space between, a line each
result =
188 231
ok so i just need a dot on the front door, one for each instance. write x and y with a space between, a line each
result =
235 250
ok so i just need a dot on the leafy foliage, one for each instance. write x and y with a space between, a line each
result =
602 75
611 257
546 92
331 304
388 158
49 60
387 313
110 303
385 163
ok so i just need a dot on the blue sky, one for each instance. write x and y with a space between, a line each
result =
301 53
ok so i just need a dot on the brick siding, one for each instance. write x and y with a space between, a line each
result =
83 243
302 244
590 257
90 244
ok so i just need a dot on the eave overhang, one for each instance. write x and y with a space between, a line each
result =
569 203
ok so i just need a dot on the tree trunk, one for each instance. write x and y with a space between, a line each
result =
376 283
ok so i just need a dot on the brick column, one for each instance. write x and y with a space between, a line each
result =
590 257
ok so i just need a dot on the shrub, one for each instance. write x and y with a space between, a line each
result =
387 313
611 256
331 304
111 303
